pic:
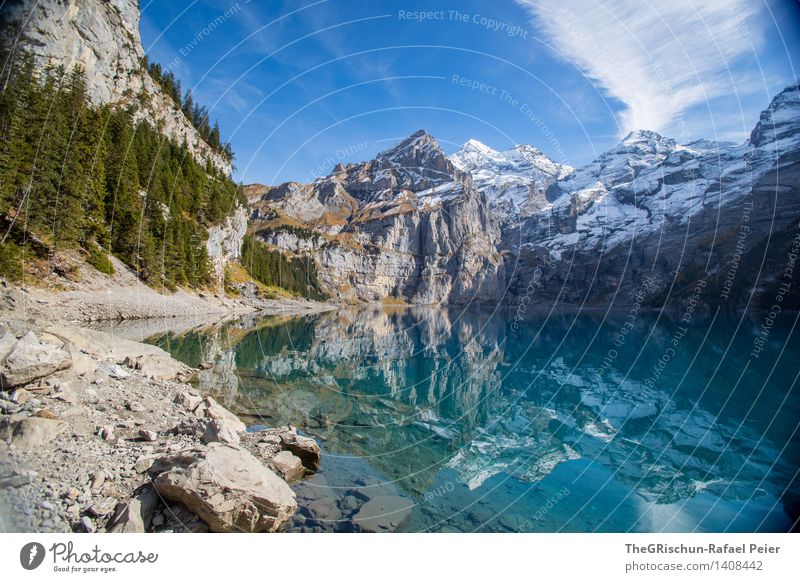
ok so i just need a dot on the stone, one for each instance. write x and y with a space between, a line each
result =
226 487
97 481
158 368
144 463
20 396
148 435
305 448
112 370
322 510
7 343
383 514
27 433
215 411
103 507
87 525
135 407
222 431
31 359
350 504
288 466
106 433
189 401
8 408
188 427
67 396
134 515
45 413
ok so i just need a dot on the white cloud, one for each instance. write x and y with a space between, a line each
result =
658 57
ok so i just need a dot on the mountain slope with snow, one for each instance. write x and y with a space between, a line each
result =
515 181
419 226
680 214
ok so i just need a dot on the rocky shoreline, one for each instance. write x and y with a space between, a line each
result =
104 434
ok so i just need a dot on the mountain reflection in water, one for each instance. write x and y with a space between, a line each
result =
461 420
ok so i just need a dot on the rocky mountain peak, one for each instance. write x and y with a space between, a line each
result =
473 145
780 121
646 140
420 150
514 180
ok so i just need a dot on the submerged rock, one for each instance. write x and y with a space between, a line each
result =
383 514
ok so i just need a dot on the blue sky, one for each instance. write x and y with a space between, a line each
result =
300 86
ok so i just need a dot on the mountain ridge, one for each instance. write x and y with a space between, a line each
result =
538 212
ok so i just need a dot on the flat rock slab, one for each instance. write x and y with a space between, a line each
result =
26 433
104 346
226 487
31 359
383 514
152 361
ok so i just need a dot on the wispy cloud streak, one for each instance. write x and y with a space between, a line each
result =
658 58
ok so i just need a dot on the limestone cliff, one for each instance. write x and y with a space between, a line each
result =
407 226
102 36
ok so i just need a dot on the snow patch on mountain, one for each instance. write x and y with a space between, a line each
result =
514 180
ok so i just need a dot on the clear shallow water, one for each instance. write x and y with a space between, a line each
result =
449 420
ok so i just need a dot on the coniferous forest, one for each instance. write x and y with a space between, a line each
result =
196 113
91 179
74 176
297 275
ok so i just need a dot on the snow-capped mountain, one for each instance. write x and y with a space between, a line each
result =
480 225
704 212
637 186
515 181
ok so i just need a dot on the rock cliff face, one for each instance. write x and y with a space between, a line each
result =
103 37
515 226
407 226
225 241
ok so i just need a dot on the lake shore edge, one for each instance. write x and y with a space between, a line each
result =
99 433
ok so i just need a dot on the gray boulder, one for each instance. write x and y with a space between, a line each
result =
26 433
31 359
226 487
383 514
134 515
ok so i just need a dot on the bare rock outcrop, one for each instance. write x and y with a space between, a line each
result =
407 226
226 486
30 359
102 36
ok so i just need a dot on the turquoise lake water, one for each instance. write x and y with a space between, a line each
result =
466 420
